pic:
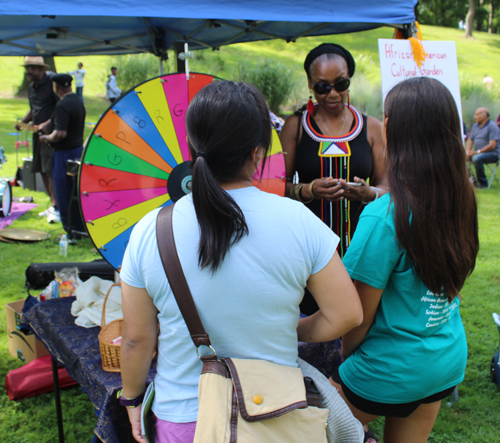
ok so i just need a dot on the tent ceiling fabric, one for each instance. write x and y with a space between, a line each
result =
85 27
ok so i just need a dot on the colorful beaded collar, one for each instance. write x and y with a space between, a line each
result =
334 146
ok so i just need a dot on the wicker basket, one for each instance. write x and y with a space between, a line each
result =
110 353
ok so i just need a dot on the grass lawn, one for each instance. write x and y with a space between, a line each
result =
474 418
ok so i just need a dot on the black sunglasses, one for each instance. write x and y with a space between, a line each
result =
325 88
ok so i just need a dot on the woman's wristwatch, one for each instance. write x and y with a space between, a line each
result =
130 402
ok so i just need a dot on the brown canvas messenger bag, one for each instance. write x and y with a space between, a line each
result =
242 400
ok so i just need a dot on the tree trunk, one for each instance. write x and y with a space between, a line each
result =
22 91
490 18
469 20
479 23
51 62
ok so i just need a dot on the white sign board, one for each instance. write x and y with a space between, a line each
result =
397 64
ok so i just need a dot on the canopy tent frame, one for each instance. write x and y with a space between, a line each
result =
93 27
155 34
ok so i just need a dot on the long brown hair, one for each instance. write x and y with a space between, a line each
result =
435 206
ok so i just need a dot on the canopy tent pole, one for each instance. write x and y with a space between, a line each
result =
179 65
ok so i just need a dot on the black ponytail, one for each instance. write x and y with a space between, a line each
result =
225 122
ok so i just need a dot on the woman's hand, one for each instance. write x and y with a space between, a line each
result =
134 415
324 188
358 193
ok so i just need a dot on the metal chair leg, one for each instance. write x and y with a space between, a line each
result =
493 170
57 397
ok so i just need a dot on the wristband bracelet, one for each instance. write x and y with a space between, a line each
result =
130 402
310 189
295 193
299 198
376 195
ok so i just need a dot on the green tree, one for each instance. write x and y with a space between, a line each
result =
446 13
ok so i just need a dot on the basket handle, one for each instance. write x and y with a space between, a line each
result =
103 318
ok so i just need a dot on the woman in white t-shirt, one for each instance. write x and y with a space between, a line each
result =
247 256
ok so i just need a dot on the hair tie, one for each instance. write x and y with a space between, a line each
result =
201 154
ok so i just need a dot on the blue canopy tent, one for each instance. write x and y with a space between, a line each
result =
97 27
94 27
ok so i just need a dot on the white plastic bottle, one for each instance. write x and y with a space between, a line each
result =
63 245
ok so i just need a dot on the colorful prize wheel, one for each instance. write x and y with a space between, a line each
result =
137 159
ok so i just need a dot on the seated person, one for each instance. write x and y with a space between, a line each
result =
484 136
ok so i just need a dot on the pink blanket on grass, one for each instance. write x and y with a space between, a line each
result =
17 210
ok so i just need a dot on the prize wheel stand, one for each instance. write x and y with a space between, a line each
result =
137 159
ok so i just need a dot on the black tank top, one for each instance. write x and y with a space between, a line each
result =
342 217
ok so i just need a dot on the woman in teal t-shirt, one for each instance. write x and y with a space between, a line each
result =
410 256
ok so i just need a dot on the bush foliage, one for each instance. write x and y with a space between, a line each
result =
276 81
475 95
134 69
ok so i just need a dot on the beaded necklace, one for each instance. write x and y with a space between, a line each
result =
335 154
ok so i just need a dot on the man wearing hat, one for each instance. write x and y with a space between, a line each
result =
66 139
42 100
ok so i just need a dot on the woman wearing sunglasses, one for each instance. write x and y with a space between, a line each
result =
331 144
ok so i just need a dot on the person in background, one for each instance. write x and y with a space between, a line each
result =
410 256
225 228
66 139
488 81
113 92
79 74
42 100
498 120
485 138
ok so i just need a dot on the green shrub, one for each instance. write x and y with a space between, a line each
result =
209 62
276 81
135 68
366 96
475 95
367 67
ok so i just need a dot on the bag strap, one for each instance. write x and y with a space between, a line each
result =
176 278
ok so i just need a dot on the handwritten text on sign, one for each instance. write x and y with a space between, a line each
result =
397 64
